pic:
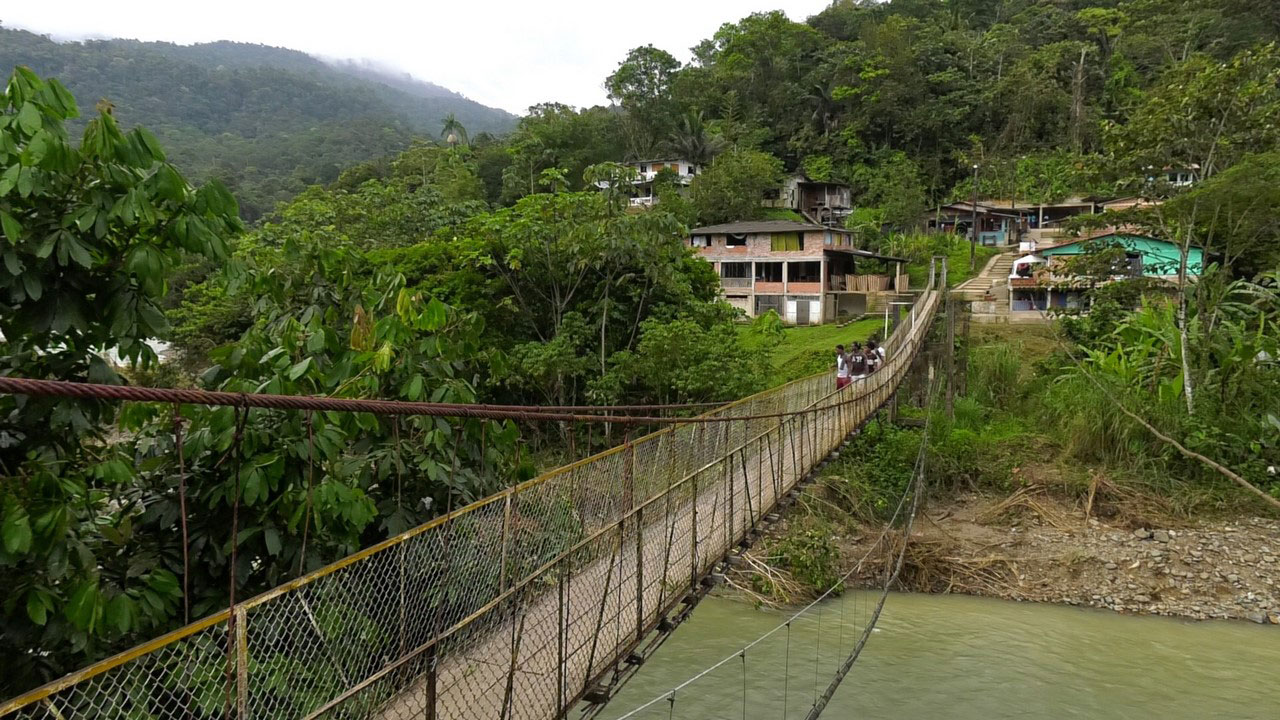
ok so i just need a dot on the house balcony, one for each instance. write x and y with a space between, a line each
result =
805 288
859 283
736 283
1053 275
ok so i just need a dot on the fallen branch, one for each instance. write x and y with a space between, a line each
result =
1191 454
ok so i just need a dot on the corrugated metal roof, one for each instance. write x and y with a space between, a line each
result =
865 254
760 226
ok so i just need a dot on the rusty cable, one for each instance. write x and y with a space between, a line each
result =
133 393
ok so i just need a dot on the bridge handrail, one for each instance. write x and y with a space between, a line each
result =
217 656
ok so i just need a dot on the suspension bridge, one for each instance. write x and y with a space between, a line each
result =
526 604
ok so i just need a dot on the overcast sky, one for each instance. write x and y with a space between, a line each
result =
505 53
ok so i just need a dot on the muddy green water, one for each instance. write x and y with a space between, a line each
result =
942 656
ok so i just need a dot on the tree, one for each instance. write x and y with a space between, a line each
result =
453 132
733 186
1239 211
642 86
1204 115
693 141
556 135
91 234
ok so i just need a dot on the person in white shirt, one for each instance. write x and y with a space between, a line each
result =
842 367
876 352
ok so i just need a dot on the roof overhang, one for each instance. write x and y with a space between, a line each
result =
866 254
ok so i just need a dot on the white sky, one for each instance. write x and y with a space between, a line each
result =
505 53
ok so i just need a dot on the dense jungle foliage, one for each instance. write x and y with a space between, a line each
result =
509 269
265 121
400 283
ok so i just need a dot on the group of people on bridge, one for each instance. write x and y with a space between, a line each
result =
857 363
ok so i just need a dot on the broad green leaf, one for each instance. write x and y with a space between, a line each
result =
9 179
153 317
253 487
29 118
79 254
435 315
82 606
119 613
414 391
299 369
31 283
165 583
25 182
12 263
272 538
153 147
37 606
12 228
64 98
315 343
16 530
36 149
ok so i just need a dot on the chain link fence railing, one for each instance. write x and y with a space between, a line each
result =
511 607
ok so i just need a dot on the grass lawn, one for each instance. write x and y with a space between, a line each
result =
811 349
957 264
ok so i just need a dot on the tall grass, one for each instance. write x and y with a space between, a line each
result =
998 373
919 248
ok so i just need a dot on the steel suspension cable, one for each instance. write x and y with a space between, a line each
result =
914 489
910 492
132 393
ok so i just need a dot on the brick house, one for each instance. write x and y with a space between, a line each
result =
808 273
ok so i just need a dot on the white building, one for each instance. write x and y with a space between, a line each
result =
647 172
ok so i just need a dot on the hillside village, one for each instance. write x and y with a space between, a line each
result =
708 232
811 269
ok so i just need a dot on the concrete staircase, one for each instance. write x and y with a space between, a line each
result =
994 274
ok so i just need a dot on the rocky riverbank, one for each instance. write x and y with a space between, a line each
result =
1029 547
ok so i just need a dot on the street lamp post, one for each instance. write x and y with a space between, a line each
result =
973 225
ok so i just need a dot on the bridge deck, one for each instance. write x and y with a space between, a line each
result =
510 607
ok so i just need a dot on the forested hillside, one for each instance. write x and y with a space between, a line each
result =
513 269
267 121
899 98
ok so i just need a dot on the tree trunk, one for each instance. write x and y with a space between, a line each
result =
1077 103
604 318
1183 343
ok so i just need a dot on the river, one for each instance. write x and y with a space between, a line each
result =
954 656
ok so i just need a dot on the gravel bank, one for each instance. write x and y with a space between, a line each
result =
1038 551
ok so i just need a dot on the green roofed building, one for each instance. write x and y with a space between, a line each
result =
1038 281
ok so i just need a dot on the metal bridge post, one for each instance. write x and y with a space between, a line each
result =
242 663
693 536
506 542
562 631
431 683
639 520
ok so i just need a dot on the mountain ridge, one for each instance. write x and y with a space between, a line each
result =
266 120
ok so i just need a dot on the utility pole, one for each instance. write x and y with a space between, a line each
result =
973 226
